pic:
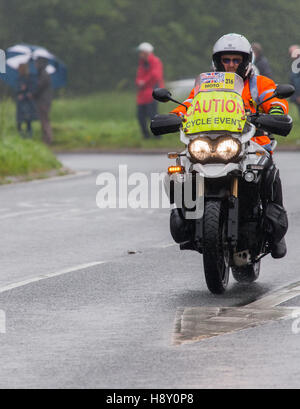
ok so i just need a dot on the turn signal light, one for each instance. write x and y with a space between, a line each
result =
175 169
259 153
173 155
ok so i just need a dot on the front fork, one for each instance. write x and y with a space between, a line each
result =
233 213
232 221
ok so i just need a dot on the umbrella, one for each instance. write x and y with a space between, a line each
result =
23 54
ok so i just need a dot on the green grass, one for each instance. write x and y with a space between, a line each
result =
21 157
294 137
105 121
108 121
25 157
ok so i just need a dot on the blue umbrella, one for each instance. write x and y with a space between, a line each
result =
23 54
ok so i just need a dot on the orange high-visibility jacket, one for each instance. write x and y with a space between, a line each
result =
256 89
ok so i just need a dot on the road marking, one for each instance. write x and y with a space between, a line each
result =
63 177
49 275
165 246
198 323
49 179
277 297
21 213
59 273
66 214
26 204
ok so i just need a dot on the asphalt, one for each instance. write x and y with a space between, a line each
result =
112 325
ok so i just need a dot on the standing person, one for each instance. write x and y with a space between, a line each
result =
26 111
43 98
294 52
260 61
149 76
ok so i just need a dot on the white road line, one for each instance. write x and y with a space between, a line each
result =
50 179
165 246
49 275
55 213
64 177
277 297
22 213
58 273
65 213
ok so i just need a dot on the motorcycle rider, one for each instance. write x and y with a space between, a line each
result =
233 53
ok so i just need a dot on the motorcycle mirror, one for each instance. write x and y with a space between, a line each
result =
284 91
161 94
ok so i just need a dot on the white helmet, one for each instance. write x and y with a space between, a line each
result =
234 44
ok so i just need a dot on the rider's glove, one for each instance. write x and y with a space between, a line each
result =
276 110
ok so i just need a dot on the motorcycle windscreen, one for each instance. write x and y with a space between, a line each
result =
219 81
217 105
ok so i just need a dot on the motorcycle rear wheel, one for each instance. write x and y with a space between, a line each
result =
215 252
246 274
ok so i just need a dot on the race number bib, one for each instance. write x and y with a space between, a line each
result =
217 81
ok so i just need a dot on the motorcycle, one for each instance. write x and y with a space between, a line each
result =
229 216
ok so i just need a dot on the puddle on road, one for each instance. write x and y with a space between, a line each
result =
194 324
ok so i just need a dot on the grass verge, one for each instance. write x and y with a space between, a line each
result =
105 121
26 158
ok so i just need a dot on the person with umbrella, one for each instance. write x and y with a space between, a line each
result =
43 98
48 71
26 111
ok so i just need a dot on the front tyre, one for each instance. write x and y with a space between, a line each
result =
215 251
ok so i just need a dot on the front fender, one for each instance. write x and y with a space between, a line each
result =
215 170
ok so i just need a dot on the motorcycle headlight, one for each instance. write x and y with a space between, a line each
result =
219 150
227 149
200 149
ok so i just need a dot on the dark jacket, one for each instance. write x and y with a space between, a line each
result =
26 110
295 81
263 66
43 92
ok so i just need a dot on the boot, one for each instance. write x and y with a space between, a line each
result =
279 249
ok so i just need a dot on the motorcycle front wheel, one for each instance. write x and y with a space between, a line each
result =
215 251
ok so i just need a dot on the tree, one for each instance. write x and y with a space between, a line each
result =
97 39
